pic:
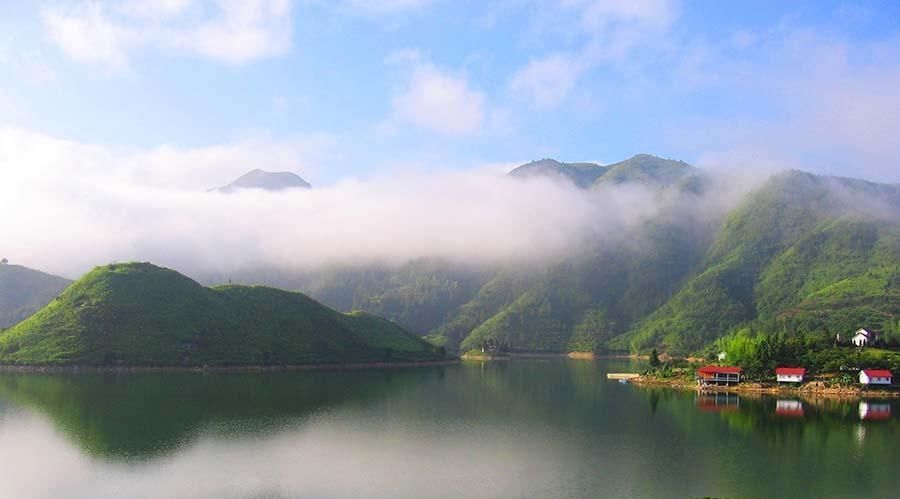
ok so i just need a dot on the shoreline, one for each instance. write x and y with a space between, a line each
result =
813 389
351 366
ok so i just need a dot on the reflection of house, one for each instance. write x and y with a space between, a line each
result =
718 402
874 410
875 377
862 338
789 408
790 374
719 375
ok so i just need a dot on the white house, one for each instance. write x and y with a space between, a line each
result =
790 374
875 377
862 338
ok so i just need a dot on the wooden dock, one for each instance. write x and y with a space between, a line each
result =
625 376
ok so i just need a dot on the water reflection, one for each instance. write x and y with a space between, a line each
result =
543 428
874 411
789 408
718 401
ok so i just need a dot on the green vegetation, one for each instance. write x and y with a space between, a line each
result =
802 254
142 315
648 170
759 354
23 291
582 174
654 359
420 295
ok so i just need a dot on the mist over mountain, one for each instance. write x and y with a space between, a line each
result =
267 181
799 253
553 257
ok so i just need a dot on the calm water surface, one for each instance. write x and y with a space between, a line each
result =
523 428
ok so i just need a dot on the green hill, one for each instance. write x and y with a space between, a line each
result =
648 170
141 315
23 291
582 174
802 253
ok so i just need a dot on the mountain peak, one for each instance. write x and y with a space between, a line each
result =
582 174
265 180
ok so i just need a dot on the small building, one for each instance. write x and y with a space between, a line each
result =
719 375
790 374
722 356
875 377
862 338
874 410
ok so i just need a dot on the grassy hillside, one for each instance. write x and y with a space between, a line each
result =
140 314
804 252
23 291
579 305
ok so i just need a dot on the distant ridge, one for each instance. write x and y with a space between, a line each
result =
268 181
23 291
582 174
642 168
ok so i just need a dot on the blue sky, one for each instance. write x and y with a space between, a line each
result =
337 89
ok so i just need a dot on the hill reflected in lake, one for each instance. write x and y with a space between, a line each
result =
522 428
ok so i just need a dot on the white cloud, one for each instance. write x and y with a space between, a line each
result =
548 80
69 206
440 101
32 157
611 30
231 31
836 103
89 36
369 7
601 14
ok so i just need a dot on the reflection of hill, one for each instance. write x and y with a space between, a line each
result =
144 415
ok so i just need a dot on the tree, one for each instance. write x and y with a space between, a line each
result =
654 359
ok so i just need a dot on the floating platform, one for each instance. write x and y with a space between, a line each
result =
625 376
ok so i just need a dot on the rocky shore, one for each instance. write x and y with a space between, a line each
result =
815 388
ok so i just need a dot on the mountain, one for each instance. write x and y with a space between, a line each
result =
23 291
419 295
646 169
800 253
138 314
804 253
269 181
582 174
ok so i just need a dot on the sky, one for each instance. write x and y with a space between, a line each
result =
338 89
116 117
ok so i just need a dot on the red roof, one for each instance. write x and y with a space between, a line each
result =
790 371
878 373
710 370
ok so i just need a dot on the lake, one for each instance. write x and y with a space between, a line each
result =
520 428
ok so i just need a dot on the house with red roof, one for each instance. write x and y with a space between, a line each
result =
790 374
719 375
875 377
